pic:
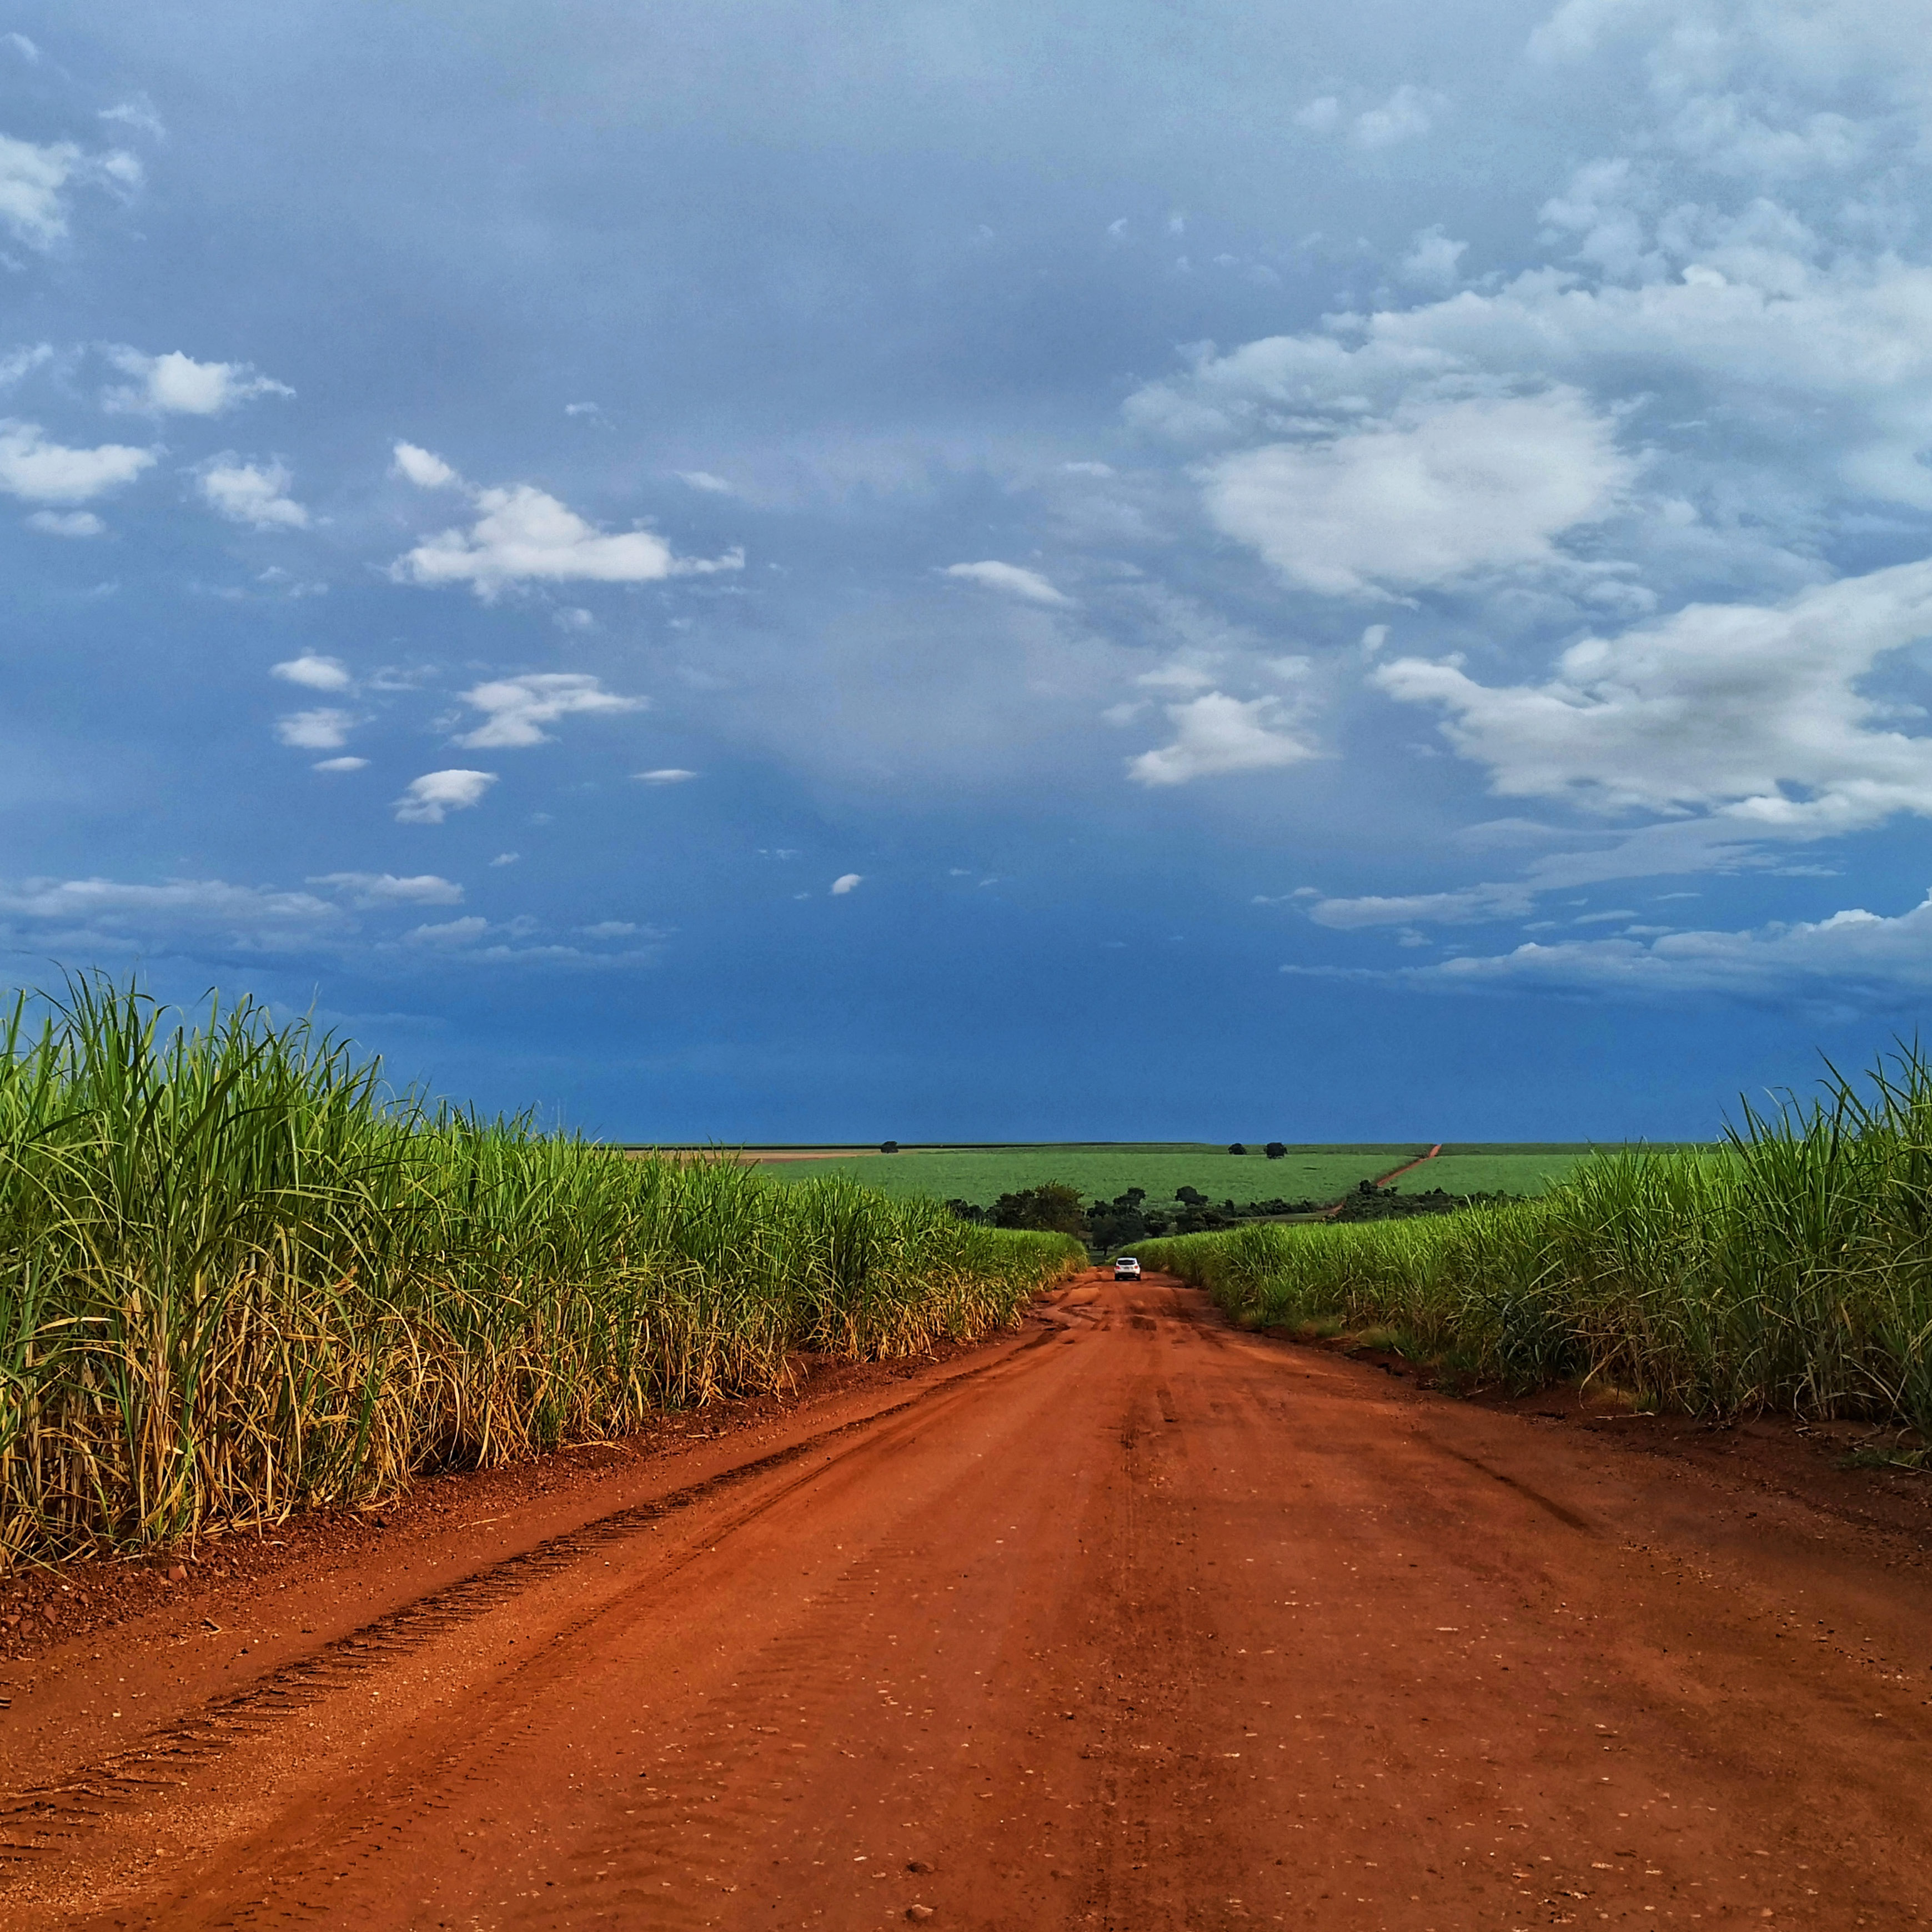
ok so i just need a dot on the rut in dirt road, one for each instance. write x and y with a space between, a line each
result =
1135 1622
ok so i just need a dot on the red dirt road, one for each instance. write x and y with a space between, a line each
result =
1134 1622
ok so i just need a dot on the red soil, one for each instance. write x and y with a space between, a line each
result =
1383 1180
1134 1620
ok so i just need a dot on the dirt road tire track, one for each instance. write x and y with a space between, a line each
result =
1146 1624
43 1819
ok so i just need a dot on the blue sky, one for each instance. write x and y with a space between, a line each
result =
782 571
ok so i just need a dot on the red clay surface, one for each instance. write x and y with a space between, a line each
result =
1383 1180
1134 1620
1409 1166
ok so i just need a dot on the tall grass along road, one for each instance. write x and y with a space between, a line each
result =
1134 1622
237 1279
1790 1268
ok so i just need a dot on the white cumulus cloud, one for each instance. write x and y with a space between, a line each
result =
1753 712
40 472
516 710
523 534
423 467
665 775
177 385
252 493
429 800
1215 735
1439 493
1818 361
315 672
847 882
1011 580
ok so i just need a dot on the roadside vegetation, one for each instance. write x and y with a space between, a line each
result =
238 1277
1789 1267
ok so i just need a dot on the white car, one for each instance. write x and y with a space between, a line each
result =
1126 1268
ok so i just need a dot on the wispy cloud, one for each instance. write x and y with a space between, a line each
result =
1408 113
137 113
255 493
66 523
1011 580
120 917
326 729
1852 961
451 932
36 181
516 710
365 889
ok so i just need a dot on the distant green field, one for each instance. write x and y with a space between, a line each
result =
982 1174
1465 1169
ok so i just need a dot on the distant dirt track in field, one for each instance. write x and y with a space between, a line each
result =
1383 1180
1409 1166
1134 1620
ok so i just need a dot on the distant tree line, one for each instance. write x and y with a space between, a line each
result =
1371 1203
1055 1208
